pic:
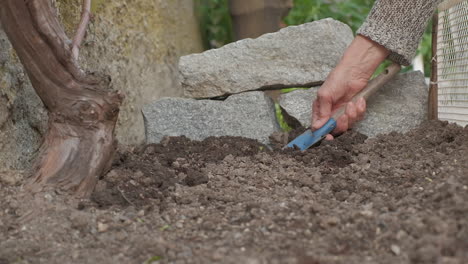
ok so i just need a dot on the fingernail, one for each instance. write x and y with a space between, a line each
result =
317 124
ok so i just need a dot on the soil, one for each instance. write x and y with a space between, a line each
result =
397 198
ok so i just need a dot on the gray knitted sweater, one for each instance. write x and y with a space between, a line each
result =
398 25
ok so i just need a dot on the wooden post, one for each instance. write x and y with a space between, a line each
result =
253 18
433 89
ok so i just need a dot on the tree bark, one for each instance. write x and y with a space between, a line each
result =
79 144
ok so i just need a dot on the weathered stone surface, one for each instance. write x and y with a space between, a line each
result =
298 104
23 119
297 56
138 44
399 106
249 115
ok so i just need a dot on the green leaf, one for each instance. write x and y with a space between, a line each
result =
152 259
164 228
280 118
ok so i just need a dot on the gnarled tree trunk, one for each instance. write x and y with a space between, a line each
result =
79 144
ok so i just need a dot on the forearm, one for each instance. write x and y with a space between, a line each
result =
363 55
398 25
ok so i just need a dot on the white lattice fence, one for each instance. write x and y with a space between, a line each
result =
452 61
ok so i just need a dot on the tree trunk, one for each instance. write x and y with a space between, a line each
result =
79 144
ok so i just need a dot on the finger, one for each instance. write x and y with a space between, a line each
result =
329 137
341 125
351 112
361 108
324 109
315 111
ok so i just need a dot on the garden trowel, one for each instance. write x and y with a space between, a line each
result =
309 138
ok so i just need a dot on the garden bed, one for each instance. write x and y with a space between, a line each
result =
397 198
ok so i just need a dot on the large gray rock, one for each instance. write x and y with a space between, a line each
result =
249 115
297 56
398 106
298 104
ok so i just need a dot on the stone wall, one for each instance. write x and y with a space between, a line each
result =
136 42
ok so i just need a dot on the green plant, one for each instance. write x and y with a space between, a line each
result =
352 12
215 22
425 48
280 118
152 260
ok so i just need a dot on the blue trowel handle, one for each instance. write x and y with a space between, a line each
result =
309 138
326 129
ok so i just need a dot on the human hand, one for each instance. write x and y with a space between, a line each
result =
349 77
337 91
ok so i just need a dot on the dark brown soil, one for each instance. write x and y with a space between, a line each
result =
392 199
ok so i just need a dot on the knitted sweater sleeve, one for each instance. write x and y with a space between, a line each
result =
398 25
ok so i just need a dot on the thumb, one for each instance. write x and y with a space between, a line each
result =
321 110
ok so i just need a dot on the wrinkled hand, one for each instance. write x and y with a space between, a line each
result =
350 76
338 90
